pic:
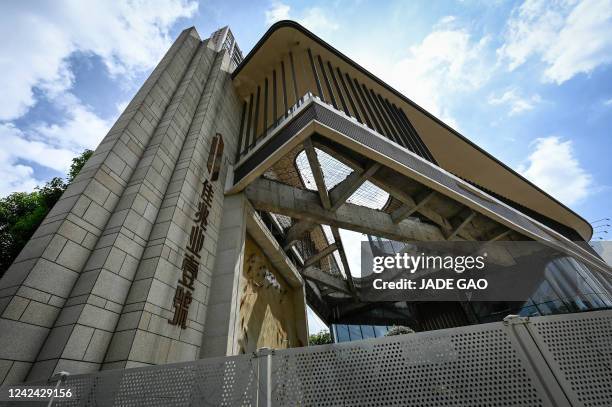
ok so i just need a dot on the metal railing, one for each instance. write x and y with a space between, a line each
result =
276 125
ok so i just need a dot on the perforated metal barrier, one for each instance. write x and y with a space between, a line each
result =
578 349
561 360
225 381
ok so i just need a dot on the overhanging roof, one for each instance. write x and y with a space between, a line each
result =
452 151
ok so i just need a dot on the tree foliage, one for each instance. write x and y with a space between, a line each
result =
321 338
77 163
22 212
399 330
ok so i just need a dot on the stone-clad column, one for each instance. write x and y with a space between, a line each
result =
83 330
143 335
222 324
35 288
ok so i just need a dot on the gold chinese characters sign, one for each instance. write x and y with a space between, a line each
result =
191 258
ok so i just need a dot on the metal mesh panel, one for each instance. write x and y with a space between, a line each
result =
359 134
283 221
578 347
479 365
334 172
369 195
285 171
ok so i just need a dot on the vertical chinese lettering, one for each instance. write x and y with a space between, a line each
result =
191 259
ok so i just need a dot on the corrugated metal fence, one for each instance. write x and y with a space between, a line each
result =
561 360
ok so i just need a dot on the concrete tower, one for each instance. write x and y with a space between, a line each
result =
119 272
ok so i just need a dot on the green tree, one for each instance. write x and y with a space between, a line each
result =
399 330
321 338
78 163
22 212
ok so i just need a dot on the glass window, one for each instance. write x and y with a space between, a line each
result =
530 311
593 301
552 307
380 331
355 332
342 333
576 303
544 293
367 331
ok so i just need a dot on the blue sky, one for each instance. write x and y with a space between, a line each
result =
531 82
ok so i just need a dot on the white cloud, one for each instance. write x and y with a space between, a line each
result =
570 37
553 166
313 18
15 177
447 20
15 148
450 60
80 129
446 62
129 36
515 101
608 102
277 12
13 140
316 20
121 106
48 145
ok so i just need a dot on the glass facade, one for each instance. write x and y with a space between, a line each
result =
565 285
568 286
347 333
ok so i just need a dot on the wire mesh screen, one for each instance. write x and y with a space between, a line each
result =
285 170
283 221
334 172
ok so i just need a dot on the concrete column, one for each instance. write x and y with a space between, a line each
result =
36 286
221 326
